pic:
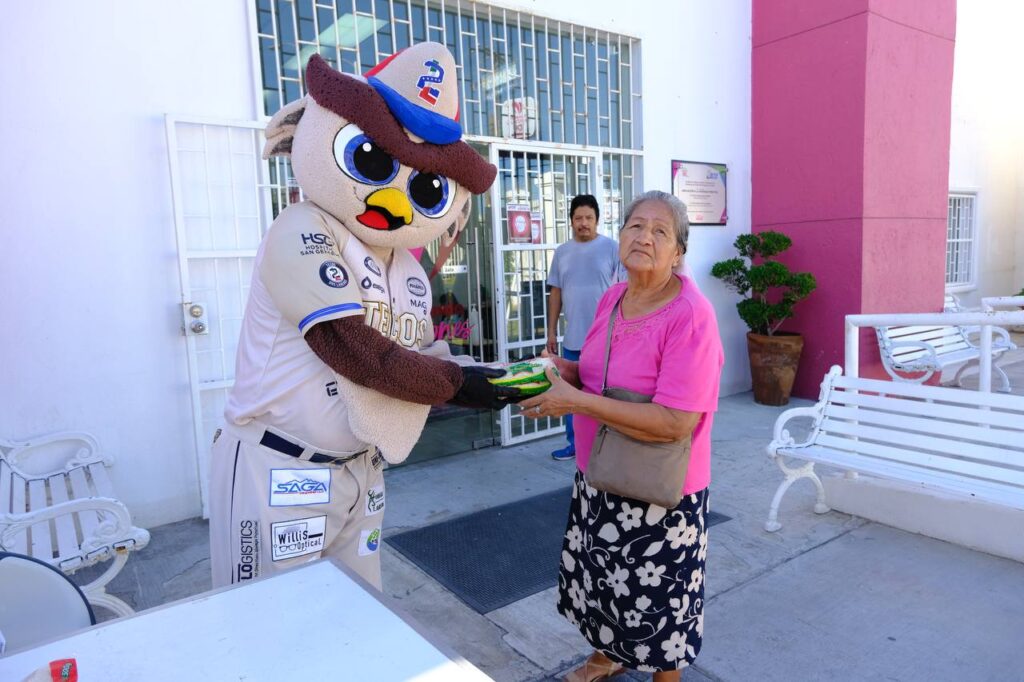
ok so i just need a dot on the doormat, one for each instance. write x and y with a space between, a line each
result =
500 555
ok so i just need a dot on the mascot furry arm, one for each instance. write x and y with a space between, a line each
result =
382 164
362 355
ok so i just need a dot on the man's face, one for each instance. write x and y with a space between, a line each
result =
584 224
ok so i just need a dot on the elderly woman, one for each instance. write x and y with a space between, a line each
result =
632 572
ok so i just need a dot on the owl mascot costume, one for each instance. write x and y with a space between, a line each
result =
337 365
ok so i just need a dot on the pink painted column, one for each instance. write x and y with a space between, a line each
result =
851 121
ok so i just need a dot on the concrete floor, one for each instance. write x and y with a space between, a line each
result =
829 597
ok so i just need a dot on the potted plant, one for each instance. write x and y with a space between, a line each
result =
770 291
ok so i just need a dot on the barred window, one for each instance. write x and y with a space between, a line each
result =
521 76
960 240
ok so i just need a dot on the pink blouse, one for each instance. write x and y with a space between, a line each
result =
673 353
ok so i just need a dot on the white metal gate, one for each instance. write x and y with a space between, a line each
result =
545 180
225 197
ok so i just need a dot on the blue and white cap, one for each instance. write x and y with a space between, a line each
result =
420 86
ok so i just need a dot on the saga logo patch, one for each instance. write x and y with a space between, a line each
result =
248 566
416 286
369 542
294 487
371 265
297 537
378 459
375 500
333 275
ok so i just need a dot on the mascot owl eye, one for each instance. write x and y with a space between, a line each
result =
361 159
431 194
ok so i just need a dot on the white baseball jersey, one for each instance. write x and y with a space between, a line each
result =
310 269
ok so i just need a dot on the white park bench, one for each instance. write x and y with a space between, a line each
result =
57 505
967 443
927 349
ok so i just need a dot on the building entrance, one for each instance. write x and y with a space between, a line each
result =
490 296
530 218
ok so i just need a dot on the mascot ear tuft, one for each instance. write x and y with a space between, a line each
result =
281 129
451 235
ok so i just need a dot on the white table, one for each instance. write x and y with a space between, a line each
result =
316 622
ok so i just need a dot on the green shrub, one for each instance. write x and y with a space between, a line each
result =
769 287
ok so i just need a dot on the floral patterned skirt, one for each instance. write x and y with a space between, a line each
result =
632 576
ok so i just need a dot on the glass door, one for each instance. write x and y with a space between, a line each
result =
463 315
530 219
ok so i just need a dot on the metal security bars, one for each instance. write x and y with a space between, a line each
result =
546 183
960 240
521 76
225 197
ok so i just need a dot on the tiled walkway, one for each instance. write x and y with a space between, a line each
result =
829 597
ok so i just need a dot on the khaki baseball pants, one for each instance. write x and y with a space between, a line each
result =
270 511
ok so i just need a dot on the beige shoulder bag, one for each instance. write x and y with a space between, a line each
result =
652 472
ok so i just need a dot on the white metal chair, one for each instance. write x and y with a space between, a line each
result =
38 602
57 505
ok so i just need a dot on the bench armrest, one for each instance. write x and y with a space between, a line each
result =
782 438
52 454
1005 341
928 348
114 528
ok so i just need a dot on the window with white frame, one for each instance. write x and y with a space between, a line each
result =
961 240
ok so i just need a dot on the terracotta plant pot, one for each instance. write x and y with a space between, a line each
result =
773 363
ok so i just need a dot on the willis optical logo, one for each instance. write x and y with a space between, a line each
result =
297 537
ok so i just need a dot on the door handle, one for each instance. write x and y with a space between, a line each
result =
195 320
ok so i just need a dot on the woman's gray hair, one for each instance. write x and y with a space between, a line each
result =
675 205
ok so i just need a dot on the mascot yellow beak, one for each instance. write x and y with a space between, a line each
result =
386 209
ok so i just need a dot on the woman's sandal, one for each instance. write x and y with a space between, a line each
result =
592 671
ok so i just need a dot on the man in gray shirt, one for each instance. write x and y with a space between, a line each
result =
582 270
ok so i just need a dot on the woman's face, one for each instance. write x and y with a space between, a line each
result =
647 242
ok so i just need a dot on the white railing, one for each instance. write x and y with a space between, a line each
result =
984 320
993 302
1012 302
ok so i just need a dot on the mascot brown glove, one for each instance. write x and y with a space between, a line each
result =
478 392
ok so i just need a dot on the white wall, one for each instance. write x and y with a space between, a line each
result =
696 106
89 266
89 261
987 141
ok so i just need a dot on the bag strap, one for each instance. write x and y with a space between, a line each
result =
608 342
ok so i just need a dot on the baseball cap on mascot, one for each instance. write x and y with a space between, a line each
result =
404 116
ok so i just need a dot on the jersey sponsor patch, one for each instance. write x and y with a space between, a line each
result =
333 275
316 242
369 542
371 265
295 487
368 283
375 500
416 286
377 460
297 537
248 566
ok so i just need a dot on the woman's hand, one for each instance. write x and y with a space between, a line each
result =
552 345
559 400
567 369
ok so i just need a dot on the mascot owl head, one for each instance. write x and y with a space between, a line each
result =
383 153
